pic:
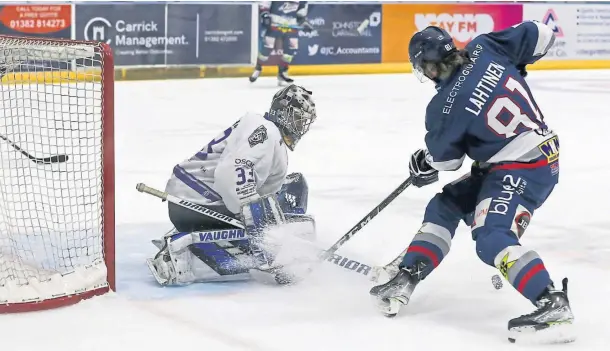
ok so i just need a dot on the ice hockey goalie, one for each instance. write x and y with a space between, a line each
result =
241 174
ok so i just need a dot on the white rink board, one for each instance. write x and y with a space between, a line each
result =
582 30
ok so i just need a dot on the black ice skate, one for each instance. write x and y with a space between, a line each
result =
550 323
397 292
282 77
257 72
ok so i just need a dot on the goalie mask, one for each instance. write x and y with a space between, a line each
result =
293 111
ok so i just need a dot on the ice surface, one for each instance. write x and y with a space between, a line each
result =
355 155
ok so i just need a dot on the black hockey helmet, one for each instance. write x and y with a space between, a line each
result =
427 49
293 111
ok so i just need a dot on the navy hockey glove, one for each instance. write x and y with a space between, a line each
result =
265 20
421 171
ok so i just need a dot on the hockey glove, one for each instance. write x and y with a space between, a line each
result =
265 20
421 171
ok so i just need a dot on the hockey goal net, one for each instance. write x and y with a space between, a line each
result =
56 172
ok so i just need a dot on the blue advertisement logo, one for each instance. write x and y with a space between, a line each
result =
341 34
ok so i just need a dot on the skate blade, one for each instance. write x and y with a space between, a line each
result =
153 270
555 334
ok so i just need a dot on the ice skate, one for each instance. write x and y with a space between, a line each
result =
392 295
550 323
283 79
257 72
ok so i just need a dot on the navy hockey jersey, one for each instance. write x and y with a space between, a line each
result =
284 13
485 110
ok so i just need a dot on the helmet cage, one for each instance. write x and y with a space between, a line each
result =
293 111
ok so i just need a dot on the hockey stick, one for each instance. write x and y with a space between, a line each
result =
359 31
164 196
39 160
356 31
356 228
339 260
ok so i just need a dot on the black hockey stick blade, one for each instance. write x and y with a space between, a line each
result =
48 160
356 228
39 160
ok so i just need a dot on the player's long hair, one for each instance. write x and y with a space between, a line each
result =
451 63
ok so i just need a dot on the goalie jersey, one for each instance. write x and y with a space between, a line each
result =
486 110
246 160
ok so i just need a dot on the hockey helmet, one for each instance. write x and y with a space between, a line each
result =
293 111
427 49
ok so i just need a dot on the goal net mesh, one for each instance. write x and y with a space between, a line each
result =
51 169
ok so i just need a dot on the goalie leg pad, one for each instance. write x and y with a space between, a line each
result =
261 213
182 260
304 226
173 264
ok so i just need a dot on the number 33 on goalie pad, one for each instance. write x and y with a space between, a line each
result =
219 255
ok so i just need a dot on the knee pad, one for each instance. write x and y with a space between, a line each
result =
294 193
442 210
490 242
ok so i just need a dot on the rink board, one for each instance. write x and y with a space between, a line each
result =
195 72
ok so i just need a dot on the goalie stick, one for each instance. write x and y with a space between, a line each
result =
40 160
339 260
164 196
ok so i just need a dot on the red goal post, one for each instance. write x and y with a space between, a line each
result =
56 172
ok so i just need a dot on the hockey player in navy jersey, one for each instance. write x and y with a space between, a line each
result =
485 110
281 20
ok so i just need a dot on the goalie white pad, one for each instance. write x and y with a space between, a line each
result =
176 264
